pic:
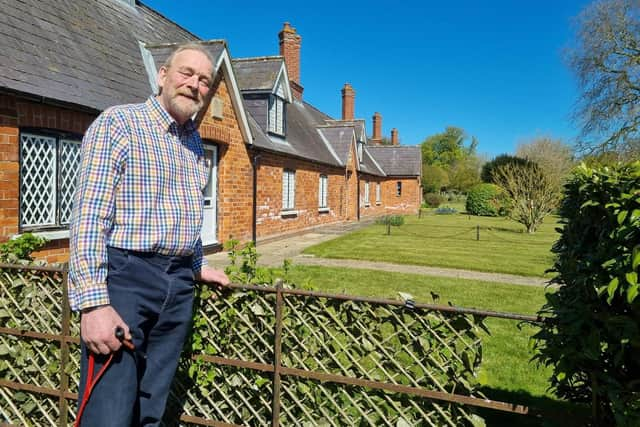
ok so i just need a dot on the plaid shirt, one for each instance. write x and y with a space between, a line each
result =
140 188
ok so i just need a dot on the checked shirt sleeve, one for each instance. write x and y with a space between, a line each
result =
198 257
103 158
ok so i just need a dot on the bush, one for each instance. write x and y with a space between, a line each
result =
21 248
593 340
433 200
390 220
488 169
486 200
446 210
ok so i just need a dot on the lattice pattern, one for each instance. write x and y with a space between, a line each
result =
27 409
69 166
38 186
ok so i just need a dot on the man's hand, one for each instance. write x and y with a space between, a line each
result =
211 275
97 329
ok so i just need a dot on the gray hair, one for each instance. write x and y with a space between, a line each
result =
188 46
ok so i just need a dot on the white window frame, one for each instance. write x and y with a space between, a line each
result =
378 194
53 189
366 193
288 190
323 184
276 118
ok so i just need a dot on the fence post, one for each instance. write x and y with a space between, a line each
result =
277 357
64 349
477 232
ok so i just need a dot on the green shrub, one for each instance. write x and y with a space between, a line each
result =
390 220
21 248
593 340
433 200
486 200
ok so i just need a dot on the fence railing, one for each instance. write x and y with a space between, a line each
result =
262 355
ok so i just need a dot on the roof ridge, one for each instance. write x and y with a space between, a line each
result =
259 58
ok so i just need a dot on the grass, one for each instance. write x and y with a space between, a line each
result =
450 241
506 373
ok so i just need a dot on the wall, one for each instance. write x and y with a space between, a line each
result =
270 220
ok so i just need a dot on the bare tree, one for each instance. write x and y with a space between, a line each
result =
532 194
552 155
606 60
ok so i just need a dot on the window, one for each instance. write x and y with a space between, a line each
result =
288 189
378 194
360 149
399 188
366 193
276 115
48 168
322 192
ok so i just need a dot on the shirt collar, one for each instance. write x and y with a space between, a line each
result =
164 118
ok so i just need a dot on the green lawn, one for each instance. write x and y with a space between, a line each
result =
506 373
450 241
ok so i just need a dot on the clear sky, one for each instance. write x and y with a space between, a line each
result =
494 68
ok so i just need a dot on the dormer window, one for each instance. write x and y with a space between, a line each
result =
276 115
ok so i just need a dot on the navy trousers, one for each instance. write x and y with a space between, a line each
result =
154 296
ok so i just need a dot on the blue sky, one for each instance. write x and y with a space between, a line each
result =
494 68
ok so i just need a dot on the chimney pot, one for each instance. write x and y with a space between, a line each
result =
377 127
290 49
394 136
348 102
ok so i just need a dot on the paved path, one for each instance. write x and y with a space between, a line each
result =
274 251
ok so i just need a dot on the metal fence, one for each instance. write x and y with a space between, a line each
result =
262 356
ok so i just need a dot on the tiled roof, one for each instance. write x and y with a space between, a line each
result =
81 52
398 160
257 74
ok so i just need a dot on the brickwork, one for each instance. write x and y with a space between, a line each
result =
270 218
235 172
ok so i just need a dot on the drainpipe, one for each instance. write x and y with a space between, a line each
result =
254 225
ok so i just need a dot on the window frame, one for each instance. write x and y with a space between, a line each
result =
323 193
288 190
58 181
279 115
366 194
378 193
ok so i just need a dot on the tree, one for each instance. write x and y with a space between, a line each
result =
434 179
606 60
532 194
465 173
552 155
486 174
443 149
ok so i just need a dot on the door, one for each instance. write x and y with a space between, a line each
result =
209 220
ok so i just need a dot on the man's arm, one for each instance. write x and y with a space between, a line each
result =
103 156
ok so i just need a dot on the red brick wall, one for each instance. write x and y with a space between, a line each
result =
14 114
408 202
307 177
235 173
374 209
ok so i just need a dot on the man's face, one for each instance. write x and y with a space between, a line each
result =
185 84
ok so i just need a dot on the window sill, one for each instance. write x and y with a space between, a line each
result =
366 205
378 203
286 214
49 235
324 210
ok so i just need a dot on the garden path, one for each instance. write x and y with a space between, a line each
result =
275 250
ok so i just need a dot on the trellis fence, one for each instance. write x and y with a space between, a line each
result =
261 356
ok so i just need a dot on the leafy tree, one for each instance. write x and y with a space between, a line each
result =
434 178
486 174
532 194
443 149
552 155
606 60
465 173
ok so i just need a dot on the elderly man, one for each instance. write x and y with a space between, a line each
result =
135 241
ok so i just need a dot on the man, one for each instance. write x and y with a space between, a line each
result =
135 241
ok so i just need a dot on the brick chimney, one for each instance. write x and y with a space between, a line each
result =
348 102
377 128
290 50
394 136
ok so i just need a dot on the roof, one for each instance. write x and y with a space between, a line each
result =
397 160
340 138
370 165
81 52
258 74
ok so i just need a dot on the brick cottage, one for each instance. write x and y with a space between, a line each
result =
278 164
